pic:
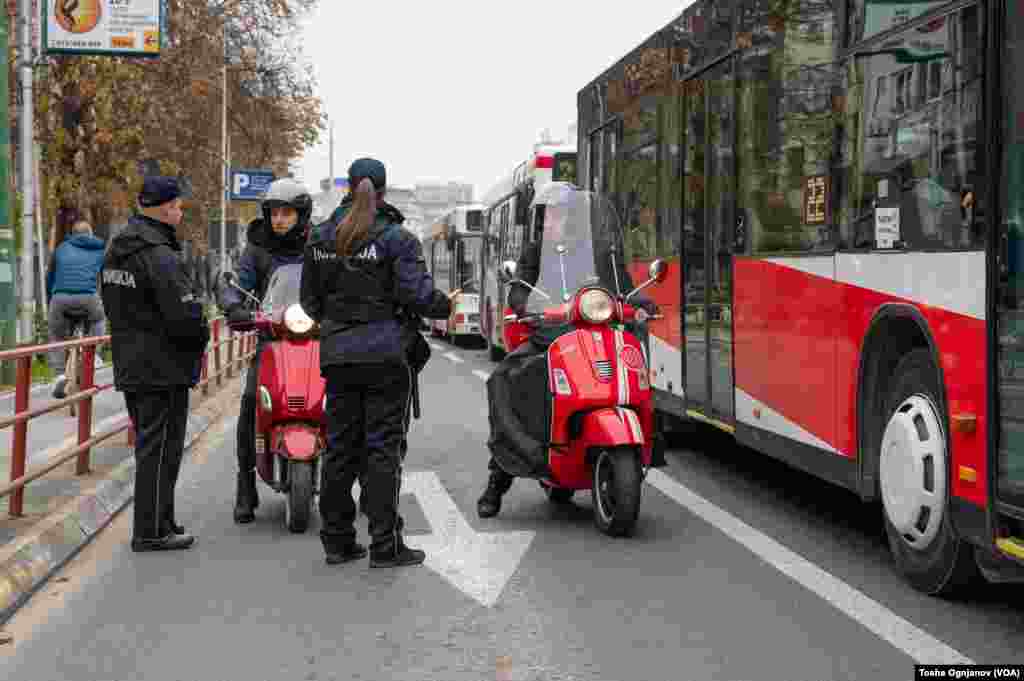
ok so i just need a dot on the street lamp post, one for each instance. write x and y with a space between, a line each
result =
226 165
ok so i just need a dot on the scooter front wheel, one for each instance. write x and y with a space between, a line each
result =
299 503
617 480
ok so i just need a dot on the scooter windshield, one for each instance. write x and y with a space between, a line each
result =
283 289
581 245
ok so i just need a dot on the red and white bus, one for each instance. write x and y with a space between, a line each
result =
840 192
452 248
508 229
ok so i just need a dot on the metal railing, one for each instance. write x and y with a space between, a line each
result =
245 343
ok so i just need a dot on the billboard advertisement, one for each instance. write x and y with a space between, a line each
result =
102 27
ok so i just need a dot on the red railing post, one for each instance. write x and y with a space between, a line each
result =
87 371
19 437
231 352
216 352
206 371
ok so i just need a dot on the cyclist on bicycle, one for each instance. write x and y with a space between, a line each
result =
71 293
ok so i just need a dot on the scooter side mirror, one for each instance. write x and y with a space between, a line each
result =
658 271
509 269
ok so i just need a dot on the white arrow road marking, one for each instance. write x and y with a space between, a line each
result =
482 375
874 616
437 347
453 357
477 563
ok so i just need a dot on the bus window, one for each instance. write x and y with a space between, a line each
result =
564 168
474 221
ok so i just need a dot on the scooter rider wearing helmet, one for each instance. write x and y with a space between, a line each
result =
555 225
274 240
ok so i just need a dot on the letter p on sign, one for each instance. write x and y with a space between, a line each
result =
241 182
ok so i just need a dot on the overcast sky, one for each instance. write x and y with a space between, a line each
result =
455 90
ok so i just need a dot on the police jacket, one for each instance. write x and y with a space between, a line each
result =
264 252
367 304
75 266
158 328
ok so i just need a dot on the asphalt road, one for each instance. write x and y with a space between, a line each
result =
741 569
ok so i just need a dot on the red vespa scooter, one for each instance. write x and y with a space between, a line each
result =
291 433
601 414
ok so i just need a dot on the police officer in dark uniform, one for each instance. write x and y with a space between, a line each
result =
365 281
276 239
158 335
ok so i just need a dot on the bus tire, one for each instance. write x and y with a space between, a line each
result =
914 477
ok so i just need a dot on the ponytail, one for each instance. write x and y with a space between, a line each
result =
360 218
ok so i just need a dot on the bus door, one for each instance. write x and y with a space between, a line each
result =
708 231
1009 256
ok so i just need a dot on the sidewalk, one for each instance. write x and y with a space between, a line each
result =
63 512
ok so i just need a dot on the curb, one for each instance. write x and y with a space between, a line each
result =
57 539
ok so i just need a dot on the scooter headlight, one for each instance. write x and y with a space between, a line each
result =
596 306
297 321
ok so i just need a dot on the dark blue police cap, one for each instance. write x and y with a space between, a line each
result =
158 190
367 167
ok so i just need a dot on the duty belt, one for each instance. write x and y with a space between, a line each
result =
365 312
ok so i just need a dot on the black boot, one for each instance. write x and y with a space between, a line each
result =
246 499
345 554
490 502
396 555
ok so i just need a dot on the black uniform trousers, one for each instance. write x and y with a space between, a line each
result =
246 429
160 418
367 421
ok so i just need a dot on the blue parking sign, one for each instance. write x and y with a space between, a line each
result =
249 185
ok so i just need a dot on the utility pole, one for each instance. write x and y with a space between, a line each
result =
225 164
28 199
8 261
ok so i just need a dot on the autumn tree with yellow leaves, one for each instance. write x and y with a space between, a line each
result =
100 120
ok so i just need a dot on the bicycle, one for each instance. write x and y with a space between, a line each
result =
72 364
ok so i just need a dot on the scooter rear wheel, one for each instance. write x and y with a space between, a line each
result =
616 487
299 503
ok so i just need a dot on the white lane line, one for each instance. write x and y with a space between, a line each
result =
883 622
453 357
482 375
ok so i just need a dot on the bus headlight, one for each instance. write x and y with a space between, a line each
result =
297 321
596 306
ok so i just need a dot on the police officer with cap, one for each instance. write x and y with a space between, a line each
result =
365 281
158 335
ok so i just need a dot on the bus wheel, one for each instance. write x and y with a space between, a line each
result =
914 478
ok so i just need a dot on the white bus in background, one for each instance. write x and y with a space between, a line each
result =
508 228
452 247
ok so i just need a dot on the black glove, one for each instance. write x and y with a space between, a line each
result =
239 315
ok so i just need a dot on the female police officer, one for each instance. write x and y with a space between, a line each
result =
364 280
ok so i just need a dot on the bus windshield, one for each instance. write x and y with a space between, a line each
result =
474 221
469 264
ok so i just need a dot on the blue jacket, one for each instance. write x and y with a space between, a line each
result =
369 314
75 266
